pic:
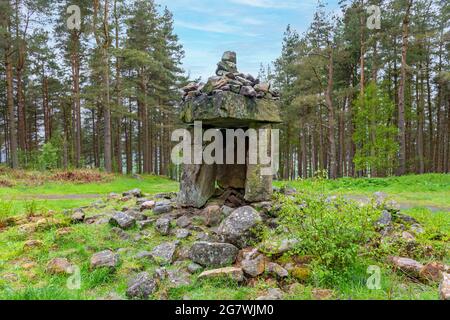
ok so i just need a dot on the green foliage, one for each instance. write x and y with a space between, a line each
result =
48 159
375 134
5 211
332 231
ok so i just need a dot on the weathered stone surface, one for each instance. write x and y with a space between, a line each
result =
137 215
197 185
194 268
163 206
248 91
213 215
59 266
162 225
122 220
262 87
30 244
229 56
276 269
183 222
433 271
385 220
227 211
409 266
137 193
78 216
141 286
147 205
190 87
213 254
230 109
182 233
234 273
238 227
104 259
178 278
272 294
322 294
444 288
164 253
254 266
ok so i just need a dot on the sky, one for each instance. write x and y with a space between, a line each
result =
252 28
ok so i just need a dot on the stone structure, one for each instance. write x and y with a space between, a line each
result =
229 100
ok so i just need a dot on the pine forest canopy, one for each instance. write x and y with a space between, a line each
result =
355 101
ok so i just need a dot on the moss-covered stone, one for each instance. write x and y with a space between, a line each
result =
228 109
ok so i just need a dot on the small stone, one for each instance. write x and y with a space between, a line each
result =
248 91
78 216
288 191
178 278
162 209
262 87
408 236
145 223
407 265
190 87
444 287
213 215
229 56
244 81
183 222
143 255
417 228
182 233
322 294
227 211
194 268
137 215
147 205
122 220
272 294
163 226
254 267
120 233
105 258
164 253
213 254
433 271
385 220
276 269
406 219
234 273
33 244
137 193
141 286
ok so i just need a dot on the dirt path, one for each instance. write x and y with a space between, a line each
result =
403 205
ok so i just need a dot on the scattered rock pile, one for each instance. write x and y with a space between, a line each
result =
228 79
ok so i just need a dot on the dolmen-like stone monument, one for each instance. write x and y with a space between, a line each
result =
229 100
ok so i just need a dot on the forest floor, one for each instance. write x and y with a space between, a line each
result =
42 201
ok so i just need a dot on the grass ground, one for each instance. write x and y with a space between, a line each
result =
23 274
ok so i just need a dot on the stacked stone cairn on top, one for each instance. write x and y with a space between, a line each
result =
229 100
229 79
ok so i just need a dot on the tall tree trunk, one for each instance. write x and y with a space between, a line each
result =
401 93
331 117
10 106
